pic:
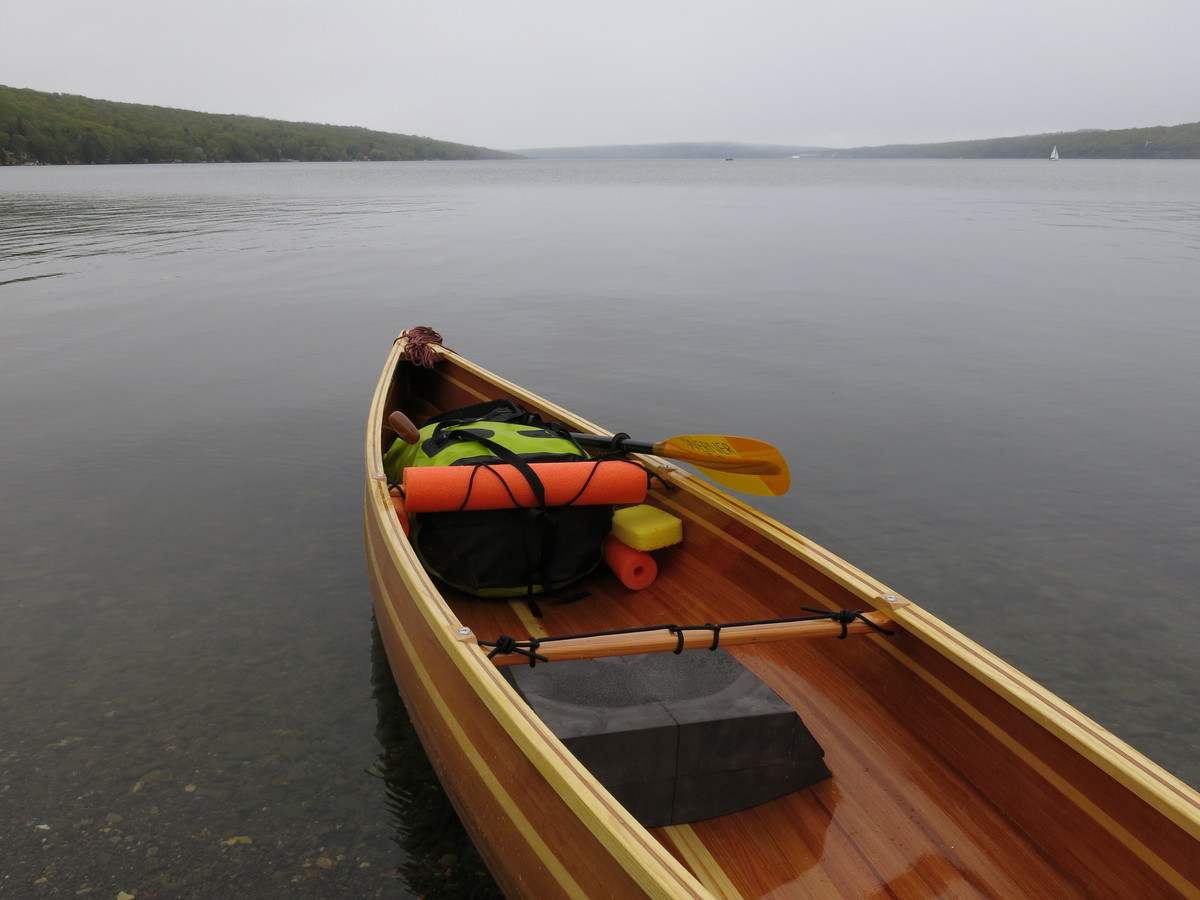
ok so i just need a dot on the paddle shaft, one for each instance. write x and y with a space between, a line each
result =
627 445
743 464
707 454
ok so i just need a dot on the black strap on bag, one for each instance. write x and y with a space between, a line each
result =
509 552
504 454
544 524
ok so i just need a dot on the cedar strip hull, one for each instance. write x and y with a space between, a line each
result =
515 811
954 775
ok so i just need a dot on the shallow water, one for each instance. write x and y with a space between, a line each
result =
983 374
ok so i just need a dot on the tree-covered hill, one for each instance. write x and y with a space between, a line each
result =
1158 142
63 128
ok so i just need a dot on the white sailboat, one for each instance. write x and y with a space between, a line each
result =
1054 152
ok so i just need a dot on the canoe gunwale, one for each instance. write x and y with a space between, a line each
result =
644 858
637 851
1169 795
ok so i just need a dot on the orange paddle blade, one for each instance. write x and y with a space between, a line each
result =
743 464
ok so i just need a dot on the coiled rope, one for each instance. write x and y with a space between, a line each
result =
418 347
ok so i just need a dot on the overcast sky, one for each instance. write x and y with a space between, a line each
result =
553 73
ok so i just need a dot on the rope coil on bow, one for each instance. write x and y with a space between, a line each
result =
418 348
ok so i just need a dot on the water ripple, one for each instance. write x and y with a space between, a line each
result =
39 229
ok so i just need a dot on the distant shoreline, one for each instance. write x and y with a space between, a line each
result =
1159 142
64 129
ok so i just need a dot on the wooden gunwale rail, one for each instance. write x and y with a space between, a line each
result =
954 773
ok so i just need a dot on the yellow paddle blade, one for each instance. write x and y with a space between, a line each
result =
741 463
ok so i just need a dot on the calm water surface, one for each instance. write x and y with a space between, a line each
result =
984 375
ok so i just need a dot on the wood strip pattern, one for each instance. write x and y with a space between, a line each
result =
954 775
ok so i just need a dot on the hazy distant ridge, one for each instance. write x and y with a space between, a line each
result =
1158 142
64 128
701 150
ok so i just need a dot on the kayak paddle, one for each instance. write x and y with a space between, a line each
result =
740 463
743 464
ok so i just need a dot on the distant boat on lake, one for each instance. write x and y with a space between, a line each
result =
1054 152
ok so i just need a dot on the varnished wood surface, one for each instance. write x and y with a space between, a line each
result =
953 775
669 639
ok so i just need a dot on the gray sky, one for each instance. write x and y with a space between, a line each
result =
545 73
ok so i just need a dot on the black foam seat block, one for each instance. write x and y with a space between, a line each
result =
675 737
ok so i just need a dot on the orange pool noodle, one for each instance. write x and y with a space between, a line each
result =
635 568
445 488
398 506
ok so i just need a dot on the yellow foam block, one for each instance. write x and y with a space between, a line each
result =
646 528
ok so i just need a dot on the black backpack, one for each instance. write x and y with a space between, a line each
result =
502 552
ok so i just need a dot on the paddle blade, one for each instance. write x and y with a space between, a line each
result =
740 463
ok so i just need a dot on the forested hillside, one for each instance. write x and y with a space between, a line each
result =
62 128
1159 142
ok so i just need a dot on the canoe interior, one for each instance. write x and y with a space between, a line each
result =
943 784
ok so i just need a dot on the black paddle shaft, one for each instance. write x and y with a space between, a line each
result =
617 442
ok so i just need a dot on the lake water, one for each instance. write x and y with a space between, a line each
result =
985 376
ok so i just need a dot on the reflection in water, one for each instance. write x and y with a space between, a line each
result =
441 861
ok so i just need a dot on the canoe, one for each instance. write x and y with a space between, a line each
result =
920 764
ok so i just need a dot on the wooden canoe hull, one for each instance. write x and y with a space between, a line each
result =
954 774
506 775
